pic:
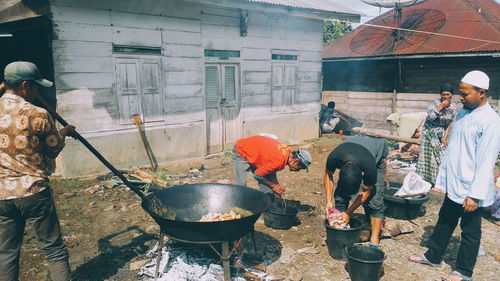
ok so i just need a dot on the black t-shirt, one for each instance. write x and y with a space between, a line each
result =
357 154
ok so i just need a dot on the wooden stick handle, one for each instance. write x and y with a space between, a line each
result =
385 136
92 149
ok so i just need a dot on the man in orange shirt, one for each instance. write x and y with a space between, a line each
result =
264 156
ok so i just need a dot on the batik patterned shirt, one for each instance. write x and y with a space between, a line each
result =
439 121
27 136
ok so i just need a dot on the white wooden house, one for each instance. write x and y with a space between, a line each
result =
200 73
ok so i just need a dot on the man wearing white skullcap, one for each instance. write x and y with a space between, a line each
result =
466 176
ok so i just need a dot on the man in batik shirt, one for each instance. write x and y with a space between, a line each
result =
27 137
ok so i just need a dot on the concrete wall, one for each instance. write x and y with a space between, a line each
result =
85 75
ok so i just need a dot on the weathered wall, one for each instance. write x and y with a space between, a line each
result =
364 89
372 108
85 75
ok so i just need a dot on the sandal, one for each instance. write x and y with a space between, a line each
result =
423 260
456 274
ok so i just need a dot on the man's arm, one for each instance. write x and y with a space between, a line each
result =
487 152
344 119
272 182
328 184
366 191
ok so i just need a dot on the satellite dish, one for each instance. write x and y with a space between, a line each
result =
373 40
398 4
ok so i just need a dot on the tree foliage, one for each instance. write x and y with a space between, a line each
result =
334 29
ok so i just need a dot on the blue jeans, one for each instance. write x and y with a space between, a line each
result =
40 211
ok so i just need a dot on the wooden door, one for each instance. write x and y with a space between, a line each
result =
139 88
222 97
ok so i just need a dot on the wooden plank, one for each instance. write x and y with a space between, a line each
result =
183 51
370 95
417 96
136 37
309 76
254 77
184 77
181 37
256 100
188 104
80 15
82 32
221 20
255 54
413 104
183 91
256 89
313 56
183 64
84 80
80 48
308 96
256 65
147 21
82 64
309 66
309 87
370 103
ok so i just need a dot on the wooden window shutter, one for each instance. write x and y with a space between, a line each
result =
277 87
230 83
128 88
290 84
153 109
211 84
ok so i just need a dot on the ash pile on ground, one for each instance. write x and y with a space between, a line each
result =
186 262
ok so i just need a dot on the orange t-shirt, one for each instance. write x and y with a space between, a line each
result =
264 153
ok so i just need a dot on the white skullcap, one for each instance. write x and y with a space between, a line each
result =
477 78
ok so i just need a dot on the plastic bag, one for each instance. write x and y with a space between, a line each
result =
413 185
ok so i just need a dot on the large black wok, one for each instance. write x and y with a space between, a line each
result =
178 209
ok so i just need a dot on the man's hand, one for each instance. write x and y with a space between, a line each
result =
329 207
470 204
68 130
345 218
278 190
444 104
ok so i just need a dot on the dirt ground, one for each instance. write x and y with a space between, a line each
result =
105 229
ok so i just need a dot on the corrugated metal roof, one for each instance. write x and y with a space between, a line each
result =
320 5
479 19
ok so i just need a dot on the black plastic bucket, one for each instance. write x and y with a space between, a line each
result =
338 239
402 208
364 263
281 216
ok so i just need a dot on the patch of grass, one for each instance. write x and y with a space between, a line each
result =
315 211
67 184
309 240
162 174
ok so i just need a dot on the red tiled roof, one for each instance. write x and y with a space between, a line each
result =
479 19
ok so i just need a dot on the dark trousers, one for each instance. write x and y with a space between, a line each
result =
40 211
470 239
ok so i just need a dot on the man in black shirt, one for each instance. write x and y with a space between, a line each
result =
361 161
